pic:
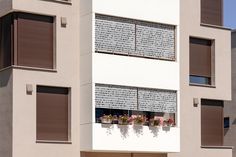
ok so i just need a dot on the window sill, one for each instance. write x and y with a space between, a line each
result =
217 147
53 142
215 26
33 68
60 1
202 85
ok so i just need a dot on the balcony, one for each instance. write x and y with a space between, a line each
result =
132 119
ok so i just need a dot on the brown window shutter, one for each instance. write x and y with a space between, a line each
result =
212 12
34 40
212 123
100 154
52 113
149 155
200 57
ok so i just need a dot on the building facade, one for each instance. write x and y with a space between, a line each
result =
99 78
229 117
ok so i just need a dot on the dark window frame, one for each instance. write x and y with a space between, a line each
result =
205 81
57 90
208 138
13 49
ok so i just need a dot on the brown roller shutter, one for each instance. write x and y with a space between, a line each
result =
200 57
88 154
212 123
52 113
212 12
34 40
149 155
6 41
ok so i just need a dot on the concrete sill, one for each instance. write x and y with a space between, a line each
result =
68 2
202 85
33 68
217 147
215 26
53 142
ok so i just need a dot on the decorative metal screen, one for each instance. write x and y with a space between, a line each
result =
157 100
114 35
116 97
137 38
132 98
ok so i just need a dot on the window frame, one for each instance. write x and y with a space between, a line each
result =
14 41
69 118
211 79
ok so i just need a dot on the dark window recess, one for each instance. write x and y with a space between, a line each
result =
212 12
26 40
200 58
226 122
6 41
52 113
212 122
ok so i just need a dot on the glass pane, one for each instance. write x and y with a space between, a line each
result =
200 80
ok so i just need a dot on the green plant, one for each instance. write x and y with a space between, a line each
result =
124 120
154 122
139 119
106 119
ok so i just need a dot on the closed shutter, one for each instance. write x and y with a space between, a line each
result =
87 154
200 57
52 113
149 155
212 12
212 123
34 40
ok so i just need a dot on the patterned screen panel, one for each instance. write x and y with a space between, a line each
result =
155 40
157 100
136 38
116 97
114 35
131 98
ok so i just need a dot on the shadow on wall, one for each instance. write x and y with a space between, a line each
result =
5 77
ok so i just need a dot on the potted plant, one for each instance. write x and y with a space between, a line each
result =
139 119
168 122
156 121
124 120
106 119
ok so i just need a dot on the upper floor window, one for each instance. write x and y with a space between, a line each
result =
201 61
122 36
212 12
26 40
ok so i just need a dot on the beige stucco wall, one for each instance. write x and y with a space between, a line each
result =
6 113
5 7
66 74
230 106
190 115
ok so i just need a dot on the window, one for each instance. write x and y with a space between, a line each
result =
121 36
226 122
26 40
212 122
201 61
53 113
212 12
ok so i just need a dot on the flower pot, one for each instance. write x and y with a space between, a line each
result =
106 121
121 122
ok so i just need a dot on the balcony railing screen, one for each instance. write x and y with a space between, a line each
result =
135 38
132 98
